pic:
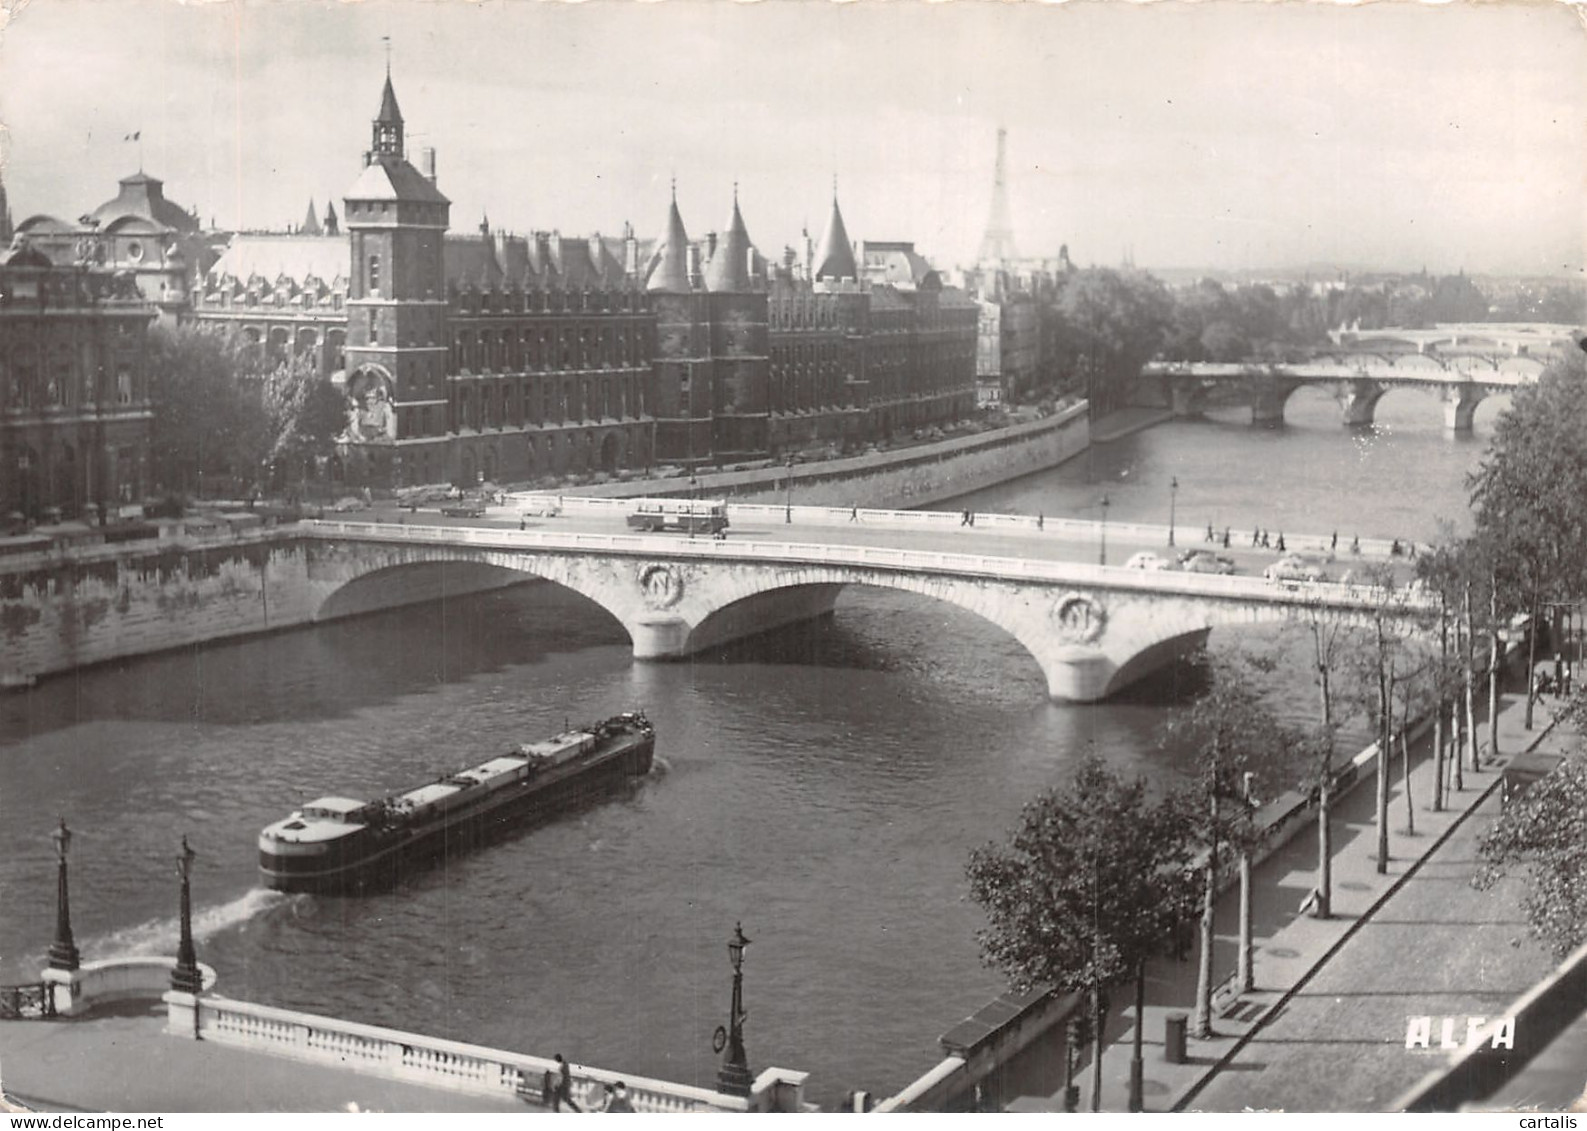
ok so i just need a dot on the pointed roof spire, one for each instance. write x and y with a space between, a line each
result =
728 270
388 101
311 222
671 272
332 225
835 255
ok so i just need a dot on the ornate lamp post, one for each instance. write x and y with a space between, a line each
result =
1173 492
63 951
733 1078
787 506
185 977
1102 557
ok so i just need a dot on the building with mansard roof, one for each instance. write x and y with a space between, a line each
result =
75 415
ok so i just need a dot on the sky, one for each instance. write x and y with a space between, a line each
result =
1229 134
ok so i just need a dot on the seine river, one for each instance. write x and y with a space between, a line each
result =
823 785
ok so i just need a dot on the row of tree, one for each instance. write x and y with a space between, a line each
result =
1097 879
1102 325
231 418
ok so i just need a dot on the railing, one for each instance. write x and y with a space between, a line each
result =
32 1002
1321 594
1458 375
442 1063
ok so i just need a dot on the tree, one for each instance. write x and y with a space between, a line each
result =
305 414
1111 323
1530 496
1085 891
1545 829
1240 746
225 408
1329 641
208 423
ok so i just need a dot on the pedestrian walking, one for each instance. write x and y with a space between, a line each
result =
964 518
854 513
1041 521
1210 536
1225 537
521 524
1265 543
1281 541
564 1086
1256 536
1355 545
1333 542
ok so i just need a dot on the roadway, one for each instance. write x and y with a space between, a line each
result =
1058 541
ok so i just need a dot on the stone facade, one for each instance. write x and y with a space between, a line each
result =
75 415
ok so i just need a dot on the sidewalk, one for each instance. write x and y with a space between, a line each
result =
1244 1064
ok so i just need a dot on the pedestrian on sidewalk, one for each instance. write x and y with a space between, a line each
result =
564 1086
854 513
1041 521
1225 537
964 518
1281 541
1210 537
1333 542
1355 545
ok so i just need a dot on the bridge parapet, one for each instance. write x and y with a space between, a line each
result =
1325 593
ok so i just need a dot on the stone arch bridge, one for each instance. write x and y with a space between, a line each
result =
1092 629
1459 384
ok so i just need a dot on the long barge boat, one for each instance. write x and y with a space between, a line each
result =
338 843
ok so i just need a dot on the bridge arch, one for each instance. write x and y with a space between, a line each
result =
1091 637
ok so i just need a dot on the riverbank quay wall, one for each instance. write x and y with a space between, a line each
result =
68 608
892 480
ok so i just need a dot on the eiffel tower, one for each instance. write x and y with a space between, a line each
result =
998 243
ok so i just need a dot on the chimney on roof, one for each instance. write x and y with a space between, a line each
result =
427 159
710 245
694 266
630 251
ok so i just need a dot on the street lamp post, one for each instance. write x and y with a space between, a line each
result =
185 976
733 1078
1102 557
1173 492
63 951
787 506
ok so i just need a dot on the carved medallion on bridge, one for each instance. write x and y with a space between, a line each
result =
661 585
1079 618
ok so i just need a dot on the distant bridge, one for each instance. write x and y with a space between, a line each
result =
1459 383
1092 629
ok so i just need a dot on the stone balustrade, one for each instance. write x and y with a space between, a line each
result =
1189 534
454 1065
94 984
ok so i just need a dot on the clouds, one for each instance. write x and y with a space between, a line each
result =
1216 134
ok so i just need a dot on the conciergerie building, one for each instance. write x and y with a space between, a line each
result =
490 355
504 357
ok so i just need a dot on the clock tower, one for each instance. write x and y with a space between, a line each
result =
396 315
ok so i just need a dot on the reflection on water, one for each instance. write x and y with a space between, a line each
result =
823 783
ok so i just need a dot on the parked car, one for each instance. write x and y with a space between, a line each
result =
470 507
1205 561
1292 568
1146 560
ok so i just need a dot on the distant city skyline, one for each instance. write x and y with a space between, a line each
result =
1226 136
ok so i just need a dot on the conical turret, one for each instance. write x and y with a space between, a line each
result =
729 269
835 255
671 272
311 223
